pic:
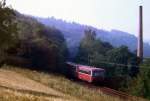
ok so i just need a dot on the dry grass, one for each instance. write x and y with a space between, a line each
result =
13 95
12 81
9 95
63 85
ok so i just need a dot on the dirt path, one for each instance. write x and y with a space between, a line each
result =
15 81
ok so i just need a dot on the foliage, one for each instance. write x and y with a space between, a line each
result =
92 50
8 34
123 56
36 46
44 47
120 64
74 32
140 86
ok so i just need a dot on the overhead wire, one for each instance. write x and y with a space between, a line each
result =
123 65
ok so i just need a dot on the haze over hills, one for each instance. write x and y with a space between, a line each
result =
73 32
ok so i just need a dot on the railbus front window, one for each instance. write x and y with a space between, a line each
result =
85 72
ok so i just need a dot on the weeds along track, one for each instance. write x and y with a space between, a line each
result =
109 91
119 94
113 92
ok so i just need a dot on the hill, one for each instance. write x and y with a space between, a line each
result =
25 85
74 32
16 86
36 45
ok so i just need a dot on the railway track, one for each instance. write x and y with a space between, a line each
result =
116 93
119 94
109 91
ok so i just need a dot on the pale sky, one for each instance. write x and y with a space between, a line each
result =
105 14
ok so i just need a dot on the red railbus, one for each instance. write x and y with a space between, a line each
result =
90 74
86 73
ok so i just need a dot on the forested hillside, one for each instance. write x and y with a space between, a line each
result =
119 63
31 44
44 46
8 30
73 33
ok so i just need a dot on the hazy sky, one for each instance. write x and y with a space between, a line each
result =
105 14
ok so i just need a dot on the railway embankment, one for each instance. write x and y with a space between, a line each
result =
23 84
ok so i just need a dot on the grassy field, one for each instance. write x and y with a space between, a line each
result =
65 88
12 95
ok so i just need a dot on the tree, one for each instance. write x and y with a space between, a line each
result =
8 29
92 50
140 86
43 47
119 56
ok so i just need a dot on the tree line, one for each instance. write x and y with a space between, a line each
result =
27 43
123 70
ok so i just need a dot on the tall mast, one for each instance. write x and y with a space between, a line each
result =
140 36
